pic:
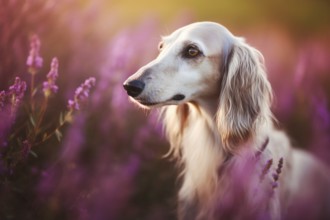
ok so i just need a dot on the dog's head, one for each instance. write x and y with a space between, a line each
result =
187 68
204 61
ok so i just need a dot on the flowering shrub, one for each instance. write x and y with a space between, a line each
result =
21 130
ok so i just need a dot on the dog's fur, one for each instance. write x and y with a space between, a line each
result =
215 101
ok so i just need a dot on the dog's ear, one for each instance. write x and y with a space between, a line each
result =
245 95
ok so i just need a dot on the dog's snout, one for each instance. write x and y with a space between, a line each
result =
134 88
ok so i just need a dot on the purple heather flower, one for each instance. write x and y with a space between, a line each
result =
16 92
81 94
49 86
18 88
73 105
34 60
266 169
277 173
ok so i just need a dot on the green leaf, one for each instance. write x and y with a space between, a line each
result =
35 90
44 137
32 121
33 154
58 135
61 119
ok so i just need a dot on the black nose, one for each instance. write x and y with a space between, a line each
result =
134 88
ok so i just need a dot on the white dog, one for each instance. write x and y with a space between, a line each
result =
216 100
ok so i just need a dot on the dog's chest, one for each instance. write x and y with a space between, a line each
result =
201 152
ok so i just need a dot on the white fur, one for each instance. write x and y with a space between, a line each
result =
218 127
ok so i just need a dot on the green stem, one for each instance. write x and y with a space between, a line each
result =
41 116
67 119
32 92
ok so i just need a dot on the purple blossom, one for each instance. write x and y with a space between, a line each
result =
34 60
16 92
49 86
277 173
14 96
81 94
18 88
266 169
73 105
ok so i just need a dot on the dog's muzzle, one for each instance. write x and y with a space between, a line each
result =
134 87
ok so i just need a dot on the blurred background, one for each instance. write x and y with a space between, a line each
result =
109 163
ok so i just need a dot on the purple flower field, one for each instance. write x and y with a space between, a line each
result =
72 146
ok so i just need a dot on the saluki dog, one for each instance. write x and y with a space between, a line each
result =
215 102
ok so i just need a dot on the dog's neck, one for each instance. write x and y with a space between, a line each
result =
209 105
192 131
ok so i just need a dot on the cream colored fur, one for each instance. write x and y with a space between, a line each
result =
216 113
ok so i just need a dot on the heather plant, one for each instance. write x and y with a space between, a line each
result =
23 115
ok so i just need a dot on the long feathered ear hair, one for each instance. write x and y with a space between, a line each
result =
245 96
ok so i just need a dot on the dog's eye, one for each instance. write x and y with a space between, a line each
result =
191 52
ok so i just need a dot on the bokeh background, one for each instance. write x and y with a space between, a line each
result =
109 164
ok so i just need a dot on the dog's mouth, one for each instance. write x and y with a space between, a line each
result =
148 103
178 97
